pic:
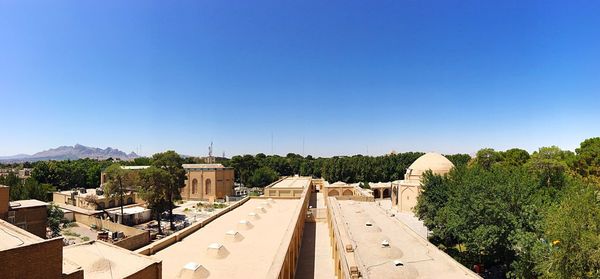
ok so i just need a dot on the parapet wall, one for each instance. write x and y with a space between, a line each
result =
45 256
178 236
134 238
346 265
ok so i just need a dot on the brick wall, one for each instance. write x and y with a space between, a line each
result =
40 260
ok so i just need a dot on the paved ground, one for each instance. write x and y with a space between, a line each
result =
315 255
78 233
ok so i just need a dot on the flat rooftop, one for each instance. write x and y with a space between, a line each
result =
249 254
12 236
420 258
27 203
293 182
99 259
204 166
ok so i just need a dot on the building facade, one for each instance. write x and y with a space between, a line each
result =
29 215
207 182
405 192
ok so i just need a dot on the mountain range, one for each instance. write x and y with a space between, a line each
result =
75 152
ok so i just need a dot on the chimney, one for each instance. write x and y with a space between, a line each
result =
4 202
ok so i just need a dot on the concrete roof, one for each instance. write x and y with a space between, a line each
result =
26 203
420 258
249 254
203 166
293 182
12 236
129 210
102 260
134 167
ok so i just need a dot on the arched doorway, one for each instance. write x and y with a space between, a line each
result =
347 192
386 193
207 186
111 204
333 193
129 200
376 193
194 186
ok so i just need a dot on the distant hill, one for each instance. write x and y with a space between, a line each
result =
75 152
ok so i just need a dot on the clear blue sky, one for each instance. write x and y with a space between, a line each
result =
446 76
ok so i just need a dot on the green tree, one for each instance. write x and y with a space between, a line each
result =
587 162
263 176
487 157
118 182
515 157
573 234
171 162
55 217
154 187
550 164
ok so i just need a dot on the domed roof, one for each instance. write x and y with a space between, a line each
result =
435 162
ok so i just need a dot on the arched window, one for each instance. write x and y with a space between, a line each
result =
111 204
194 186
207 187
129 200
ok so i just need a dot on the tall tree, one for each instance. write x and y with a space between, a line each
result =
171 162
118 182
155 183
587 162
573 235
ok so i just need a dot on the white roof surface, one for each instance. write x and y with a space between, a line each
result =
421 259
102 260
293 182
251 257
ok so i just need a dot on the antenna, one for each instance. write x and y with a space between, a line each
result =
210 153
271 143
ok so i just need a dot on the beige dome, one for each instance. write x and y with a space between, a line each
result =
435 162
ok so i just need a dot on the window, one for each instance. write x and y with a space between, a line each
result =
194 186
207 187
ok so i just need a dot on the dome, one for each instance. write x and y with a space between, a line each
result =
435 162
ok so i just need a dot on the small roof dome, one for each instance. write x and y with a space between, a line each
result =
435 162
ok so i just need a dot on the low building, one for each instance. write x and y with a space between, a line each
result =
338 189
30 215
25 255
292 186
368 243
207 182
99 259
405 192
259 238
131 215
78 199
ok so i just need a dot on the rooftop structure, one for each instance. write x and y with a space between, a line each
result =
99 259
27 204
25 255
246 242
207 182
376 245
292 182
405 192
13 237
292 186
134 167
77 198
29 215
204 166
